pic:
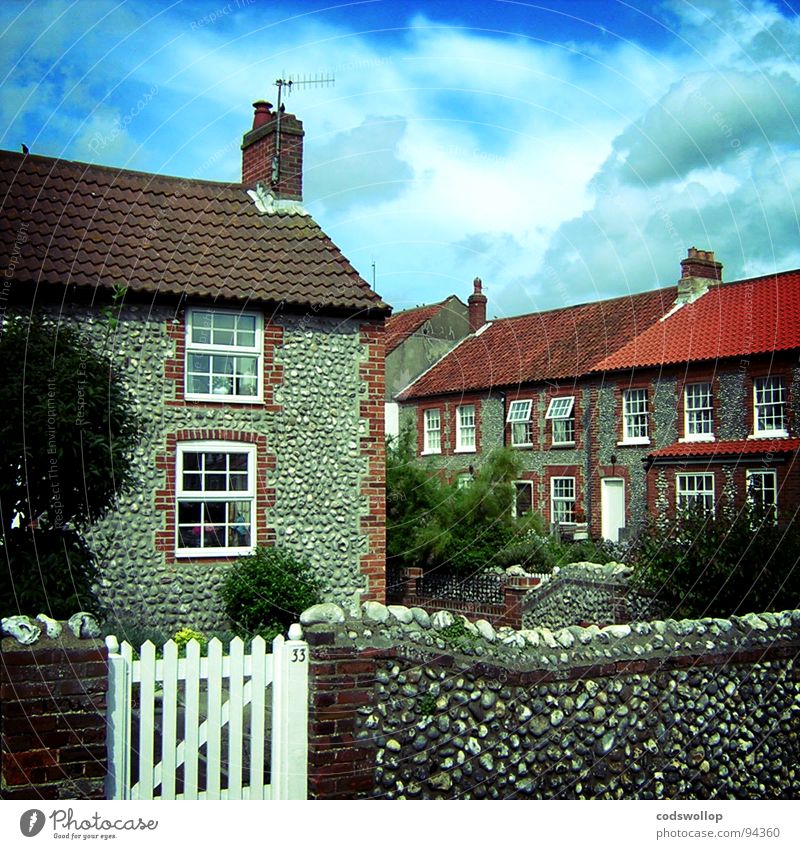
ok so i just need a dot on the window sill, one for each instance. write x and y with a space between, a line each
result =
213 554
465 451
430 453
224 399
705 438
770 434
558 445
639 441
522 445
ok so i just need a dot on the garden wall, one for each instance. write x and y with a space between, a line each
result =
587 593
404 705
52 717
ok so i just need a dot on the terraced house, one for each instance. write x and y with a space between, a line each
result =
254 352
629 406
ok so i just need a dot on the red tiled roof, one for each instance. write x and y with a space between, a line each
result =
402 324
67 222
735 447
753 316
554 345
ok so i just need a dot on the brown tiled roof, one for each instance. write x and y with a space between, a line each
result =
67 222
555 345
402 324
738 447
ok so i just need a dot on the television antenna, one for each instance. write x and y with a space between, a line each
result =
287 84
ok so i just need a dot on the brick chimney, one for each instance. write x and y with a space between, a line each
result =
260 163
698 271
477 306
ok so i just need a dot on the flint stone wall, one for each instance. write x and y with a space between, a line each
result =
587 593
405 705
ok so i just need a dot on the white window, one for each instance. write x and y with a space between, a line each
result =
464 480
562 500
561 414
634 414
694 490
762 488
465 430
698 412
432 432
770 406
215 485
519 417
223 355
523 498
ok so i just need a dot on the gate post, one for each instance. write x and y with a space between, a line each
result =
289 769
118 732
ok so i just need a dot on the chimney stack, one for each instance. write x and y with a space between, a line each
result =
477 306
279 171
698 271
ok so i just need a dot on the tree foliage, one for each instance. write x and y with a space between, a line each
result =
736 562
66 437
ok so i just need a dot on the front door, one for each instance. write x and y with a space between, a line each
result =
612 507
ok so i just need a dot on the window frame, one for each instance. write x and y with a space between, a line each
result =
211 349
561 412
520 421
461 447
773 432
427 431
216 496
464 480
694 494
517 484
628 416
749 474
705 436
563 499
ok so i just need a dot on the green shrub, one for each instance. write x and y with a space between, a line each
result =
737 562
185 635
265 592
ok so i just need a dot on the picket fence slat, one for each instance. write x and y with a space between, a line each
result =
170 720
214 721
192 735
183 704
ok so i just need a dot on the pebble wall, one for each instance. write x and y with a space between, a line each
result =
585 592
653 710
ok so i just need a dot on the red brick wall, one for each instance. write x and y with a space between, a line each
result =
258 150
373 447
52 715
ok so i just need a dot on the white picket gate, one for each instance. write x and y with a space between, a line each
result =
202 721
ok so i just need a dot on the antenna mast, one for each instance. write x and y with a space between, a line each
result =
317 81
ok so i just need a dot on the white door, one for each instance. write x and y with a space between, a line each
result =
612 507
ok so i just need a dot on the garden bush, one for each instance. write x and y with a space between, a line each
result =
737 562
265 592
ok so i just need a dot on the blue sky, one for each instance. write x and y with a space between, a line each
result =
561 151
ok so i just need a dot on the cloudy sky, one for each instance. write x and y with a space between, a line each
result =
562 151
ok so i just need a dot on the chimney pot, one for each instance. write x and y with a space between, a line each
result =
698 271
263 113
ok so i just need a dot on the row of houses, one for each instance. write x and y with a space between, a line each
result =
625 408
261 364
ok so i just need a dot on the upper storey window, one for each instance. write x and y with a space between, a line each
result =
561 415
634 416
770 407
519 417
698 412
223 356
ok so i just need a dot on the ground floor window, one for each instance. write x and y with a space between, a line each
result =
694 490
762 488
215 487
562 500
523 498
